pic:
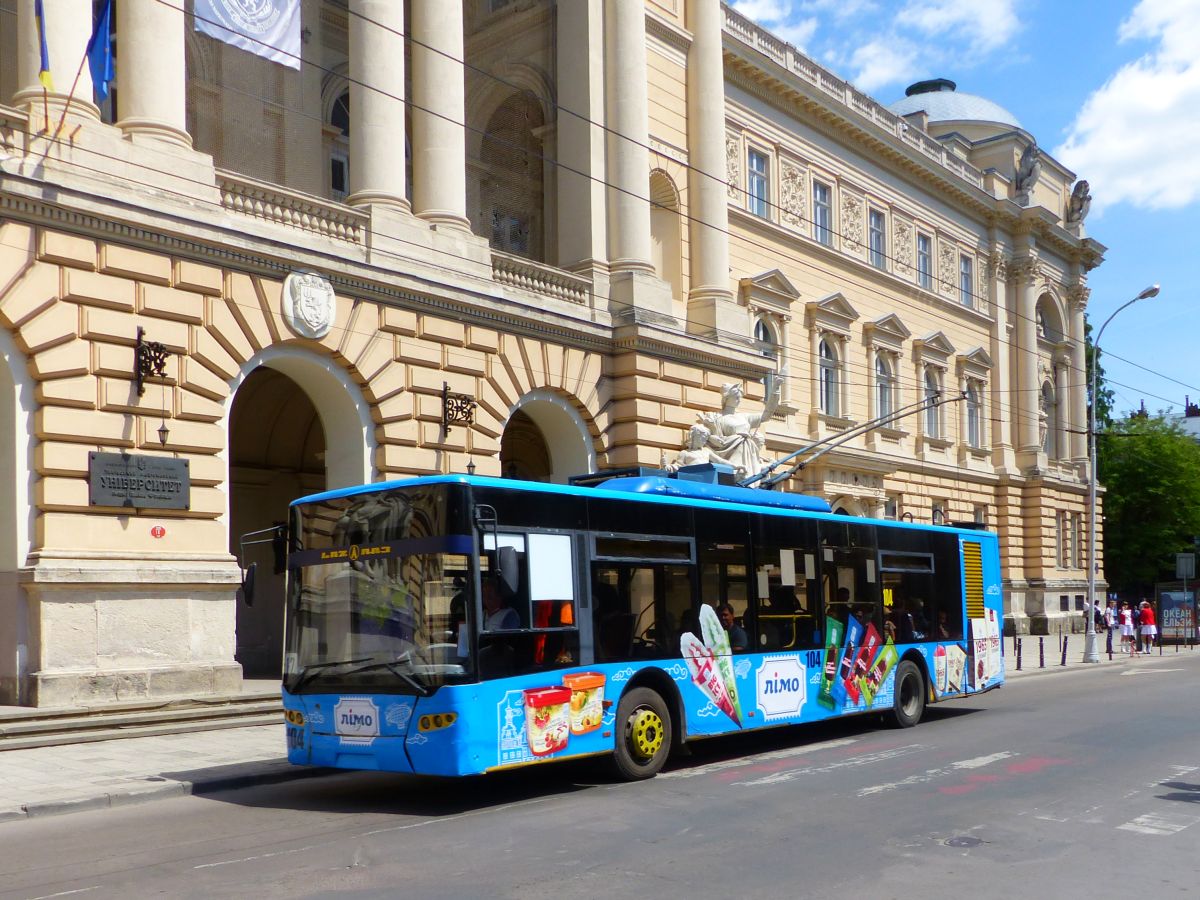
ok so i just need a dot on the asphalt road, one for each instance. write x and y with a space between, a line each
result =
1081 784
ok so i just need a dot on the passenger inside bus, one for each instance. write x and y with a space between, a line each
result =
738 642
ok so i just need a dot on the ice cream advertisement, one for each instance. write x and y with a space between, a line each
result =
711 666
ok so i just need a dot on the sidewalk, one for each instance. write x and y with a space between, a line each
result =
101 774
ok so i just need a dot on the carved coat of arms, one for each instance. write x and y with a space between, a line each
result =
308 304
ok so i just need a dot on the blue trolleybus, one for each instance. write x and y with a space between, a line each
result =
455 625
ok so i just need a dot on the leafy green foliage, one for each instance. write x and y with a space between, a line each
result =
1104 396
1150 471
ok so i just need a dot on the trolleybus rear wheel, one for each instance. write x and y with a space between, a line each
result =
909 702
643 735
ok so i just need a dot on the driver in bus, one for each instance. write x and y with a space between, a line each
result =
498 615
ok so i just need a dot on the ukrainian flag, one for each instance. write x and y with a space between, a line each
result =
39 16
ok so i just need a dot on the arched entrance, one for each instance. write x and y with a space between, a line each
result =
276 454
16 518
297 424
545 439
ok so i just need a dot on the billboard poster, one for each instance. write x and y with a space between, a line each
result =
1176 613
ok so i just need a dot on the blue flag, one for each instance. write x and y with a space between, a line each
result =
99 52
44 76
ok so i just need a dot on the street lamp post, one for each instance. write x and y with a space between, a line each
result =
1090 653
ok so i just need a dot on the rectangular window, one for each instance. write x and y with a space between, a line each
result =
339 180
965 294
891 508
875 227
822 214
759 184
925 261
980 514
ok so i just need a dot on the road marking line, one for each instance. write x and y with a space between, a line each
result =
929 775
709 768
852 762
94 887
1159 824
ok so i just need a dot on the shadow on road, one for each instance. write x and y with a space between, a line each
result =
383 793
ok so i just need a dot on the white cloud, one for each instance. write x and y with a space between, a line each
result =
1135 136
984 26
882 62
879 48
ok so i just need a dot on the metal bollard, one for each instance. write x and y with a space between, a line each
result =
1064 653
1017 641
1041 653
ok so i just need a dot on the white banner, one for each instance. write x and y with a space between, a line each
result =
267 28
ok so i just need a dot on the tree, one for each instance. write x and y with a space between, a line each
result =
1151 473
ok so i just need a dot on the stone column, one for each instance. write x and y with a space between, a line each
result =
1061 424
581 221
1003 432
628 154
68 27
710 299
152 73
1028 389
439 113
1077 299
377 164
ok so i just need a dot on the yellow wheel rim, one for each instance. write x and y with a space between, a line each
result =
645 734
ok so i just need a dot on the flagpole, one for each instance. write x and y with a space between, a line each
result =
70 96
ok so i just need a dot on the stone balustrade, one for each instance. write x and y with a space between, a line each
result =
274 203
536 278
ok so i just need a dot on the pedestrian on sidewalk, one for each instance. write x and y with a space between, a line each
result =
1110 624
1137 627
1149 628
1127 644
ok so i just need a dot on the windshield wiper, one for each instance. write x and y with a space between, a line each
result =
310 672
393 666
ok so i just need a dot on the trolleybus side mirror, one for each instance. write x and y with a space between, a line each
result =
248 584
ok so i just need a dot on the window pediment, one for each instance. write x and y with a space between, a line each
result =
975 362
833 312
770 290
934 347
887 331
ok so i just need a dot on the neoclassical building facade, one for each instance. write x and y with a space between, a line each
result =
527 236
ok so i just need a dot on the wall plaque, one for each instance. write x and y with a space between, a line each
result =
141 482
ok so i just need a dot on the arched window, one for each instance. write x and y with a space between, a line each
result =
665 231
511 190
933 412
339 152
974 415
828 379
885 386
764 336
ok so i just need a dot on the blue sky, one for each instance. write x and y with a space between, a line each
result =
1111 88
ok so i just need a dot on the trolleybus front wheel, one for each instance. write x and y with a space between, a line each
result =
909 702
643 735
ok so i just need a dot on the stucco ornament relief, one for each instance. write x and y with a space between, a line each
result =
946 269
983 295
733 165
903 245
852 221
792 196
308 304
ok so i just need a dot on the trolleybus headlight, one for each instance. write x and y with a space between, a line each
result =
435 721
293 716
